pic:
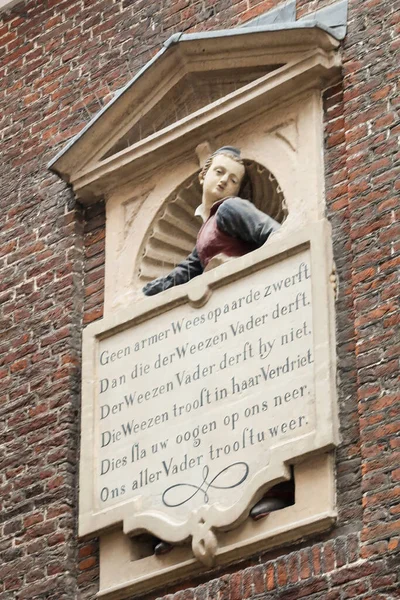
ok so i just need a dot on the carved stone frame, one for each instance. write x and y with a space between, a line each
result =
276 120
123 569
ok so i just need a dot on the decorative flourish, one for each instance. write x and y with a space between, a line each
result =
204 542
207 484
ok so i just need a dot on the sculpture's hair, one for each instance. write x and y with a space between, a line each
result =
234 154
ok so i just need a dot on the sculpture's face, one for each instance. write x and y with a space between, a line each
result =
222 179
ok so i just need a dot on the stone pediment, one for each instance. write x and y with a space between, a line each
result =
197 82
194 91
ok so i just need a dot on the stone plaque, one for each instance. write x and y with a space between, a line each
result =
201 402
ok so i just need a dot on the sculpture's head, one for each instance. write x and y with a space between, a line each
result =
223 175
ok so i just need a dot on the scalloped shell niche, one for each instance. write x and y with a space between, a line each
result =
173 232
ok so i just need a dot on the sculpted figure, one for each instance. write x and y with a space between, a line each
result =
232 226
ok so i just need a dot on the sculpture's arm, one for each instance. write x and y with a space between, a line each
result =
186 270
241 219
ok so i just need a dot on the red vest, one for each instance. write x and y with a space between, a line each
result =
212 241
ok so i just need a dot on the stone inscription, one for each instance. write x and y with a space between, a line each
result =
191 402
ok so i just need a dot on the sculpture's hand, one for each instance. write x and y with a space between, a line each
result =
186 270
154 287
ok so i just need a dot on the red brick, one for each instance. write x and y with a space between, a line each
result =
293 568
235 586
270 577
259 580
305 565
33 520
63 56
354 590
88 563
354 573
281 573
87 550
329 557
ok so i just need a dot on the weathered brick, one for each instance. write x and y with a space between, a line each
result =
60 61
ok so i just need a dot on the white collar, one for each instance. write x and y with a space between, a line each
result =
199 212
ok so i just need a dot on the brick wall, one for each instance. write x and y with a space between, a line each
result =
60 61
